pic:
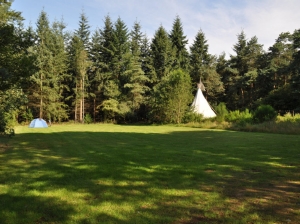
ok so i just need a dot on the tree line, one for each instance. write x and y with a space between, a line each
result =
118 74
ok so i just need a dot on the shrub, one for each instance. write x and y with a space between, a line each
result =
88 119
288 117
221 112
27 115
238 117
192 117
264 113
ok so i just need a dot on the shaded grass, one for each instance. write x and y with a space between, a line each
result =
149 174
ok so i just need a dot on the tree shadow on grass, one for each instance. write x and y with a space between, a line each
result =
179 177
33 209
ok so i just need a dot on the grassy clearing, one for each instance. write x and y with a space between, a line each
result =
148 174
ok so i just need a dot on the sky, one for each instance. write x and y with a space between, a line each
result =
220 20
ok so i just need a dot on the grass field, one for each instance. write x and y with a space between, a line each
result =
148 174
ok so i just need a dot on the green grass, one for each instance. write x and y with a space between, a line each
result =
148 174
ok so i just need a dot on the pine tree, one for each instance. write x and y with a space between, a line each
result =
204 66
295 68
79 64
244 71
199 57
136 79
96 75
162 55
119 66
83 32
280 56
51 69
179 42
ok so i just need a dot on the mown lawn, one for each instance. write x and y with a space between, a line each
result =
148 174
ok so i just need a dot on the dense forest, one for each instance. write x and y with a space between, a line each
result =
117 74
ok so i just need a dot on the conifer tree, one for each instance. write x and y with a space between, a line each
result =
136 79
199 57
96 75
83 32
295 68
118 65
243 70
204 66
162 55
51 68
79 64
179 42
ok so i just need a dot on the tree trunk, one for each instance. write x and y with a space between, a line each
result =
41 107
41 95
80 109
83 99
242 93
94 109
75 110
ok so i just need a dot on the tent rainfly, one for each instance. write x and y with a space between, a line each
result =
38 123
200 104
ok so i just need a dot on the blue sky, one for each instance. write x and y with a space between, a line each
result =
220 20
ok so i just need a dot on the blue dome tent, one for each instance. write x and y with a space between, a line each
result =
38 123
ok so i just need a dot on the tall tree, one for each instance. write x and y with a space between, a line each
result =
15 64
243 68
96 74
199 57
83 32
162 55
79 64
7 15
295 67
179 42
171 98
119 66
136 78
50 69
204 66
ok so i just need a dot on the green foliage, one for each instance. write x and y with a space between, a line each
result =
162 54
179 42
88 119
264 113
10 102
239 117
27 115
192 117
51 68
221 111
288 117
171 98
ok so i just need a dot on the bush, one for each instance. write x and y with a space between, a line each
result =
221 112
238 117
27 115
264 113
288 117
192 117
88 119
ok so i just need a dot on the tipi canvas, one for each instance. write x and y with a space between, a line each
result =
200 104
38 123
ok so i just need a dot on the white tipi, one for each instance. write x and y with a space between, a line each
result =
200 104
